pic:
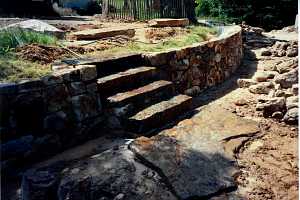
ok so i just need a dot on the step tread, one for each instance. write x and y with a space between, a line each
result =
128 72
160 107
126 96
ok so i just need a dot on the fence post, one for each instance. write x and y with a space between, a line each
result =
104 8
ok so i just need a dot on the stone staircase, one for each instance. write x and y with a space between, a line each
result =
140 99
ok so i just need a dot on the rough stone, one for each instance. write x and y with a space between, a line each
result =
261 76
266 52
287 66
295 89
113 174
52 80
57 97
56 121
261 88
85 106
87 72
245 83
191 155
292 52
273 105
291 116
41 183
193 91
277 115
292 102
287 80
18 148
76 88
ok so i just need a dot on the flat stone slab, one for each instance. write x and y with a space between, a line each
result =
114 82
95 34
192 155
113 174
160 114
168 22
138 95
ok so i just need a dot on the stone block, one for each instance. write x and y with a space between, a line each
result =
76 88
52 80
85 106
87 72
57 97
168 22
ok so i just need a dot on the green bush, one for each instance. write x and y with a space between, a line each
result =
264 13
14 37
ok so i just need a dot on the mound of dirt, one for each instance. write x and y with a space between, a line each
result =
47 54
162 33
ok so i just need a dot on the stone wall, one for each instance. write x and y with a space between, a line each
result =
201 65
42 117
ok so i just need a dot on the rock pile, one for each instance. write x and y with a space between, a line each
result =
280 49
276 86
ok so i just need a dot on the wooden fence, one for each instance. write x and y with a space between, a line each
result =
143 9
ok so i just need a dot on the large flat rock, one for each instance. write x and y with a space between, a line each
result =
168 22
113 174
95 34
192 155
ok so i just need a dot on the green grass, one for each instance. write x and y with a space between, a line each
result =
14 37
197 34
13 69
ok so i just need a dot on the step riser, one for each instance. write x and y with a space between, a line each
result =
159 119
143 101
125 83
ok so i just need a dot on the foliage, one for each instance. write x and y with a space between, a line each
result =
13 69
265 13
14 37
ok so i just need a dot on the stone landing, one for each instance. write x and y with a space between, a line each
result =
191 160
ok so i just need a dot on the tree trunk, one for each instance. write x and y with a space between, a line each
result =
190 10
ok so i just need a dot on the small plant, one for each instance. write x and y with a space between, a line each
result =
14 37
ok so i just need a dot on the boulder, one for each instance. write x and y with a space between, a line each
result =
266 52
295 89
292 102
272 105
261 88
245 83
262 76
291 116
287 66
37 26
287 80
292 52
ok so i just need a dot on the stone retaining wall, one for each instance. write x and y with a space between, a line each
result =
201 65
42 117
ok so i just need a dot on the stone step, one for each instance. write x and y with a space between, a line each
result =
131 78
159 114
143 96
